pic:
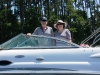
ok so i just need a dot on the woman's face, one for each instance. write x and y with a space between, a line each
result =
60 26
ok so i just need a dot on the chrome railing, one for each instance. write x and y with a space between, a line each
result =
91 36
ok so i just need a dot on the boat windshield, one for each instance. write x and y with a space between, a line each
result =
36 41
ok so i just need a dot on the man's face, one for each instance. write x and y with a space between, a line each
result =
44 23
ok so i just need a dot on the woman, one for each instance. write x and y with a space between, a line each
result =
61 31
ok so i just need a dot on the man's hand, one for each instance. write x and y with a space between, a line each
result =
28 34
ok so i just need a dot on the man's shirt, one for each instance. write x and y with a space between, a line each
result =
47 32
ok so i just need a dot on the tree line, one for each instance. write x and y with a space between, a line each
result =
22 16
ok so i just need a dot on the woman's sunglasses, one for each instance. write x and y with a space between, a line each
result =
60 24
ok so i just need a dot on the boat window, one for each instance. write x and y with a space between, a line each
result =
35 41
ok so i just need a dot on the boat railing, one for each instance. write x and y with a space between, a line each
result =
96 38
94 42
91 36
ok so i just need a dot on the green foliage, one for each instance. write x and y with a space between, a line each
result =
73 30
31 20
52 20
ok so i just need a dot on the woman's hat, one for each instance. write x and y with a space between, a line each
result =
60 21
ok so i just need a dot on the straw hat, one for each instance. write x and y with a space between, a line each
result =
60 21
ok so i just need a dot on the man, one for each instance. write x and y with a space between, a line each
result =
43 29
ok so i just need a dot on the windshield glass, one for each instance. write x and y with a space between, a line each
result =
36 41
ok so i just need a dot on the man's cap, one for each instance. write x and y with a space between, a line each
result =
43 19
